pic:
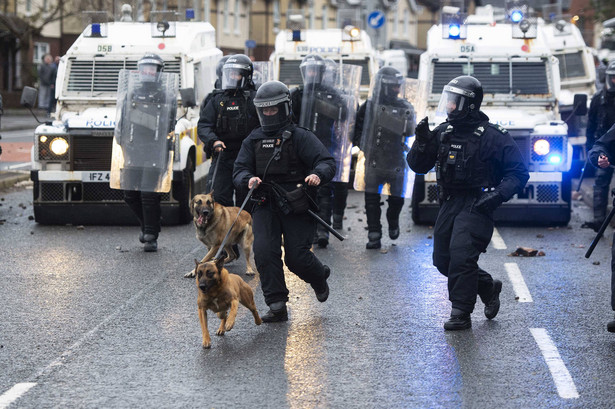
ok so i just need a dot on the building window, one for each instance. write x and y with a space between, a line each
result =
237 15
312 16
395 21
325 12
406 22
39 51
206 9
225 17
28 5
276 13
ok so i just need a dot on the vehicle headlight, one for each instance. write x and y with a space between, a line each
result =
542 147
59 146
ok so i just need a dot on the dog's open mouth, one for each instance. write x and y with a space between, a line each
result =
203 217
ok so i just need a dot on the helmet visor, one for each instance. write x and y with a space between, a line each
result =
232 77
312 72
453 103
148 72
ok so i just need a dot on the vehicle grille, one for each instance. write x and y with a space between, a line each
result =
547 193
432 193
98 77
84 192
555 142
290 74
91 153
522 139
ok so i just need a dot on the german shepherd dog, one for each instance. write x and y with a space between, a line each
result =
212 221
221 292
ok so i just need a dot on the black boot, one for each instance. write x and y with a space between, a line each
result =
338 221
151 243
396 204
322 290
610 326
277 312
493 306
459 320
374 240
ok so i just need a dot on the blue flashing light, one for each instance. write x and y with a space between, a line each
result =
454 31
555 159
516 16
296 35
189 14
95 30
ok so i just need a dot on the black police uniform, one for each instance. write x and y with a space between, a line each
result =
229 116
601 117
332 197
606 145
300 156
469 158
392 153
146 205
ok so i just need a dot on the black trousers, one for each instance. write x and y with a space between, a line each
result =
461 233
602 182
223 186
270 226
146 206
373 211
613 274
331 199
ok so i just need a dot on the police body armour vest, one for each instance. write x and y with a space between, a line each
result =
232 121
285 165
458 164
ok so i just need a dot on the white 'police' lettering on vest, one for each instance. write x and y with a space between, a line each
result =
232 108
268 143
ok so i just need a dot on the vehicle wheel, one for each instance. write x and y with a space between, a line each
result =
184 191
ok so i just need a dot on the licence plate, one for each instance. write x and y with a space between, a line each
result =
95 177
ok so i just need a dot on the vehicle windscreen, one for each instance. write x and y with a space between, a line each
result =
571 65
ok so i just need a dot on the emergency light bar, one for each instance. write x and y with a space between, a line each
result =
453 23
97 22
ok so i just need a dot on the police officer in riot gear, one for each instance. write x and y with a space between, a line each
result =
280 155
384 151
602 155
601 117
478 167
317 106
226 120
143 103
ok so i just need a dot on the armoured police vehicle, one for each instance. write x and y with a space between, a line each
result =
71 157
348 45
577 74
521 82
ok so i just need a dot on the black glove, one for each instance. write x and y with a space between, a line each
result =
489 201
422 132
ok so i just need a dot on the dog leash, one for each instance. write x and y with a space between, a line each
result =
232 224
213 177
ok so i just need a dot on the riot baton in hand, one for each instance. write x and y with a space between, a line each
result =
582 174
325 225
600 232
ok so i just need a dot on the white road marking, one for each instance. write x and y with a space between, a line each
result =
516 278
14 393
563 381
21 388
496 241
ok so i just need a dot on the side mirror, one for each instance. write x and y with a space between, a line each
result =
28 97
188 97
580 104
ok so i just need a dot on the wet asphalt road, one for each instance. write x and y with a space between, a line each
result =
88 320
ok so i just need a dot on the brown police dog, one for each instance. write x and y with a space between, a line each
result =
221 292
212 221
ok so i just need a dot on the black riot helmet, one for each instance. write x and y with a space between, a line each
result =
461 96
390 80
609 78
272 102
237 72
219 66
312 69
150 66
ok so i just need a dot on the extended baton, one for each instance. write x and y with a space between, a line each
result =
600 232
326 225
213 177
582 174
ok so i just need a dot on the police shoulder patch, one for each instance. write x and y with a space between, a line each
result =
499 128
